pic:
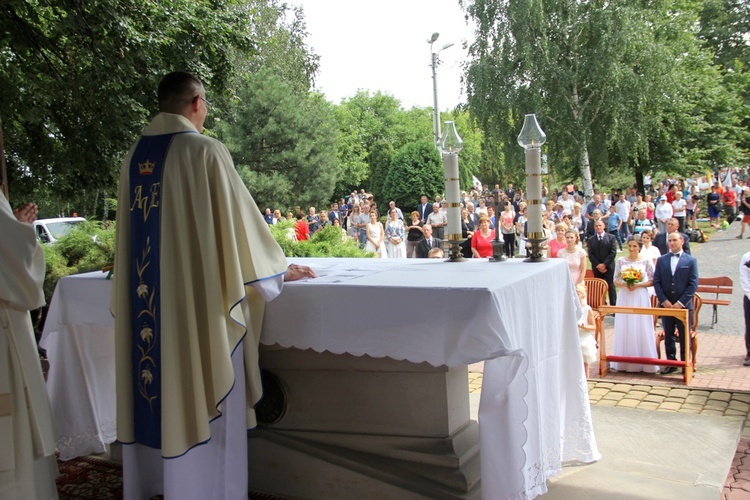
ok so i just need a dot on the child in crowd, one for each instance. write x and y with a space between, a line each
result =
586 329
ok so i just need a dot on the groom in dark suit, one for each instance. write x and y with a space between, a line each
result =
602 248
675 282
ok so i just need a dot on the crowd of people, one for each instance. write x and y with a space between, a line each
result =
653 226
397 233
239 266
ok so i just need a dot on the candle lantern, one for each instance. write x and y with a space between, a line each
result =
531 139
450 145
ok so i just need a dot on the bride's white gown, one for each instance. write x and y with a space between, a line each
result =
634 333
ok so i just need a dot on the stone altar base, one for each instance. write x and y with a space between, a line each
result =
342 426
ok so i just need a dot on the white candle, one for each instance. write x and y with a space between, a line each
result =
534 206
452 193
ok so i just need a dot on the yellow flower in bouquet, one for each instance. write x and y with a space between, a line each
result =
631 276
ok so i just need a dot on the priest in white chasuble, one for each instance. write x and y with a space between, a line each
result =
194 264
27 437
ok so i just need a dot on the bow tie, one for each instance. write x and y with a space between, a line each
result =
675 254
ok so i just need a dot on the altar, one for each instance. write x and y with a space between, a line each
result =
359 359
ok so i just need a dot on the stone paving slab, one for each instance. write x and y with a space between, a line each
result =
720 378
641 457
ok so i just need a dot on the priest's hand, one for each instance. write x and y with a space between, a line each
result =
296 272
27 213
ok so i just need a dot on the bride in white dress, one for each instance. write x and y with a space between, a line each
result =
375 237
634 333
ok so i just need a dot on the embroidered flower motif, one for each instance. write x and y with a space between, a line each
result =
142 290
147 376
147 334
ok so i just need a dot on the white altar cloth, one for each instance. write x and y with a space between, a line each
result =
534 413
521 318
79 338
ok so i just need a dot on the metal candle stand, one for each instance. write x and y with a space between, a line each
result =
498 250
537 250
454 252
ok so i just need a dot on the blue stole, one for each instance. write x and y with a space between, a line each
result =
145 175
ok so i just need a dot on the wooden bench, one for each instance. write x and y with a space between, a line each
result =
680 314
716 286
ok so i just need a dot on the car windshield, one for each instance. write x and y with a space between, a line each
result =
60 229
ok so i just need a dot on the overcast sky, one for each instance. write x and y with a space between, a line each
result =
382 46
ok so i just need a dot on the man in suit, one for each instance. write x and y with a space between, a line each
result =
427 243
473 216
424 209
602 252
334 213
660 241
675 282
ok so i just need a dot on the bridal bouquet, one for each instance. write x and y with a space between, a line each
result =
631 276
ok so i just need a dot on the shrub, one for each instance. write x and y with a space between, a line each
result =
88 247
326 242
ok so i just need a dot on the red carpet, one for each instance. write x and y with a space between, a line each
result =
91 478
88 478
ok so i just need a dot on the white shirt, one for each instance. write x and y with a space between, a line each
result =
673 260
678 206
567 204
623 209
438 218
745 275
663 211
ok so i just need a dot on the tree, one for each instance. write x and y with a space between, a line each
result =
554 59
415 170
379 159
725 27
680 116
608 80
283 141
279 30
366 120
79 80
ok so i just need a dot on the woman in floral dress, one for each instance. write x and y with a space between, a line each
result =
395 234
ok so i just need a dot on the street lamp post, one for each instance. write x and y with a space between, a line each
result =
436 110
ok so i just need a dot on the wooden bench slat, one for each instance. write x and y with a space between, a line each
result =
720 281
716 302
712 289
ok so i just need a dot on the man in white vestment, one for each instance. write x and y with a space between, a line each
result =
27 437
195 263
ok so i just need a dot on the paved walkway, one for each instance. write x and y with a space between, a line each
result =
721 385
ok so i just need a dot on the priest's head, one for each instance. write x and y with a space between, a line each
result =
182 93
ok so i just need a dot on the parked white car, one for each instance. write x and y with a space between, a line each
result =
51 230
